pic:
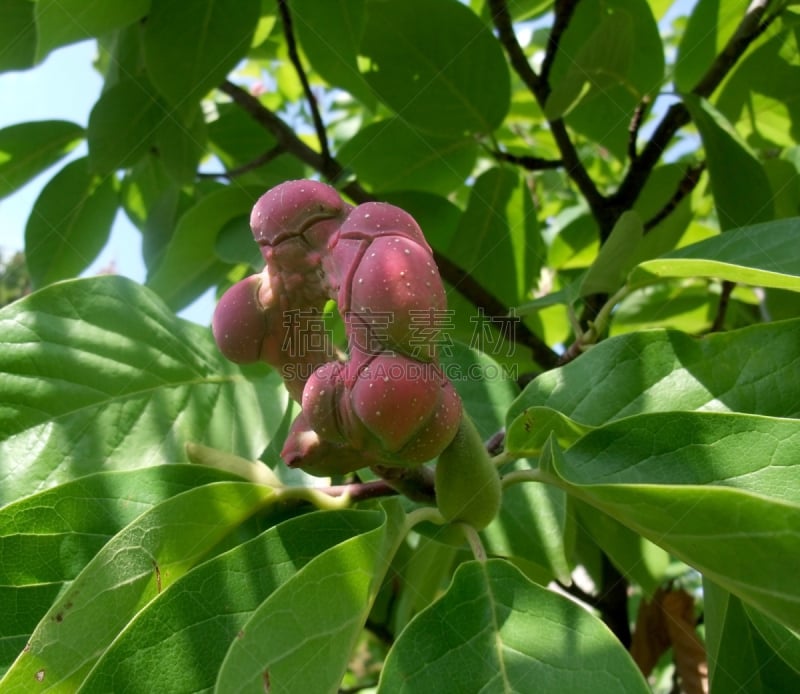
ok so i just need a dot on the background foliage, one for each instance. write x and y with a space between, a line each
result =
612 191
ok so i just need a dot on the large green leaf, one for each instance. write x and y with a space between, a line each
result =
765 255
189 628
301 637
330 33
46 539
17 35
60 22
497 240
494 630
448 82
137 564
738 655
752 369
609 58
390 155
70 223
27 149
760 96
100 375
190 265
189 48
742 193
122 125
719 491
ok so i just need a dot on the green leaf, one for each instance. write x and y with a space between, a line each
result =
785 642
191 48
330 33
737 654
529 431
100 375
610 57
436 215
494 630
760 96
616 257
742 193
302 636
61 22
444 82
27 149
69 224
122 125
710 26
181 144
189 628
751 370
765 255
17 35
497 240
137 564
391 155
640 561
48 538
190 265
719 491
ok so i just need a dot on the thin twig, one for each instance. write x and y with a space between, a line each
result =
722 306
294 57
260 160
685 186
636 123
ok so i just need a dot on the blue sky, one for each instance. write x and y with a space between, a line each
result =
65 87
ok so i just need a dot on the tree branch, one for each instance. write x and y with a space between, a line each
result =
564 10
294 56
260 160
750 28
540 90
527 162
686 185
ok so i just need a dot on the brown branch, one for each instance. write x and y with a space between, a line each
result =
722 306
750 28
685 186
260 160
635 125
564 10
527 162
330 169
519 61
294 57
360 491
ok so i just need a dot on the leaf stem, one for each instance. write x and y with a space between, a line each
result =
474 540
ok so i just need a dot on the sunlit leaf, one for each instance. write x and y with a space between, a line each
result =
100 375
518 628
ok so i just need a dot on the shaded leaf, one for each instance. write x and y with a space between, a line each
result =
47 538
301 637
60 22
27 149
100 375
17 35
742 193
142 560
189 48
390 155
122 125
190 265
69 224
718 491
494 630
189 628
330 33
444 82
497 240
